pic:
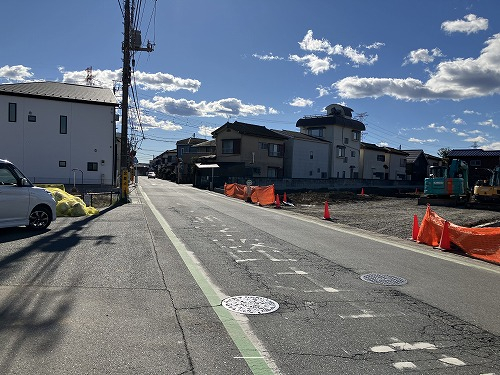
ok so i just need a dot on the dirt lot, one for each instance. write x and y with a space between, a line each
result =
391 216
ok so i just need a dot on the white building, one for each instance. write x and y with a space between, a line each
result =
344 134
382 163
305 156
55 132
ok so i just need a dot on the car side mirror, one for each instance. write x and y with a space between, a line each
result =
24 182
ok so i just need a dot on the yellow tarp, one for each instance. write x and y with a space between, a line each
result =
69 205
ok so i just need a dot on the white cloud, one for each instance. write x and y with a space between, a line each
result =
456 79
145 81
470 24
422 141
16 73
301 102
492 146
315 64
322 91
383 144
184 107
206 130
459 121
272 111
470 112
476 139
422 55
439 129
150 122
375 45
268 57
489 123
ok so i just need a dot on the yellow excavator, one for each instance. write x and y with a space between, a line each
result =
488 191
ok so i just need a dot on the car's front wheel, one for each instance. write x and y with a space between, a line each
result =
39 218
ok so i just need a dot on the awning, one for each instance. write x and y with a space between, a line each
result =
203 166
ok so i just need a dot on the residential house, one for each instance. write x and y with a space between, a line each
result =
480 162
186 156
384 163
344 134
305 156
165 165
417 167
58 132
247 150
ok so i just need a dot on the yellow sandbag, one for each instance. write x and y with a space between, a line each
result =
69 205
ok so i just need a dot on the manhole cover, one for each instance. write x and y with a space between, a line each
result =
250 304
377 278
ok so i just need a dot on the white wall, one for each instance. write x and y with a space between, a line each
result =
37 147
302 163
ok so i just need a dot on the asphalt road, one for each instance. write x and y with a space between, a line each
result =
139 290
444 320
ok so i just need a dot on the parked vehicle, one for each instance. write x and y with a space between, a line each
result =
488 190
447 185
151 175
21 203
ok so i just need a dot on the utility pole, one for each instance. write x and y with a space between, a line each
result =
131 42
124 180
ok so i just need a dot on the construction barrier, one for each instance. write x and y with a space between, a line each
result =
481 243
263 195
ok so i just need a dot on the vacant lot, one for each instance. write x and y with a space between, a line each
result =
391 216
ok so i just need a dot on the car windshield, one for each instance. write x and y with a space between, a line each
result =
20 175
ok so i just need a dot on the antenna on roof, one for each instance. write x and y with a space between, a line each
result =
90 77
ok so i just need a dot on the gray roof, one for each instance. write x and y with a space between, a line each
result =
371 146
473 152
413 155
250 129
330 120
298 135
60 91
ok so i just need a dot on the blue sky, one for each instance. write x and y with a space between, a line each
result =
426 74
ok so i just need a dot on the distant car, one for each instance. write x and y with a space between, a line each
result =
21 203
151 175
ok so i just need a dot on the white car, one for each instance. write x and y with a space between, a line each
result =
151 175
21 203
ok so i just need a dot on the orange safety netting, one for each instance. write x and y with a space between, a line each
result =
264 195
481 243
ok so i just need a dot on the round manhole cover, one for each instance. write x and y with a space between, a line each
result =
250 304
389 280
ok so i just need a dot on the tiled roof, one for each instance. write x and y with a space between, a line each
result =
60 91
413 155
298 135
473 152
391 150
250 129
190 141
330 120
210 143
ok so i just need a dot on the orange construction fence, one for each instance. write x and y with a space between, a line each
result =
263 195
481 243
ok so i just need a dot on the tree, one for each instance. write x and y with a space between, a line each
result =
443 153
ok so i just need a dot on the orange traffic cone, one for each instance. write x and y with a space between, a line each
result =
284 197
277 202
416 190
414 233
444 243
362 191
326 215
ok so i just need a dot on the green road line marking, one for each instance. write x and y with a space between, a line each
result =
236 326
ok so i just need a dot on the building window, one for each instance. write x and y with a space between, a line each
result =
346 141
323 175
62 163
380 157
311 155
91 166
402 162
275 150
340 151
315 132
63 124
310 173
353 154
272 172
12 112
475 163
231 146
263 145
31 118
356 135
